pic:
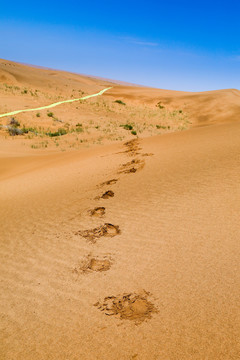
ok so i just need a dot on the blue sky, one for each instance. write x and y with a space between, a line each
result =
179 45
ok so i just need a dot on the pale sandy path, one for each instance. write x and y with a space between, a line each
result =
54 104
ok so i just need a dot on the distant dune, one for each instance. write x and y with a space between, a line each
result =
119 220
204 107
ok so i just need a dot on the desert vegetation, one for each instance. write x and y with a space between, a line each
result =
120 102
139 121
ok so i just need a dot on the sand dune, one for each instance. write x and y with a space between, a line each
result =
127 249
204 108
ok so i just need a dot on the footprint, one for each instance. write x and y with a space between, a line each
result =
107 194
107 230
90 264
131 166
128 171
109 182
99 265
132 146
98 211
132 306
132 143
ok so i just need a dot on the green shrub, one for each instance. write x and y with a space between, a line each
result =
14 123
50 114
37 114
60 132
127 126
134 132
160 106
120 102
79 129
26 130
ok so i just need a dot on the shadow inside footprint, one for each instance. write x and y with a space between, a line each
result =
107 230
99 265
131 306
128 171
90 264
109 182
98 211
131 166
107 194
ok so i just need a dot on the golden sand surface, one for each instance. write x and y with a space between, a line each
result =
116 245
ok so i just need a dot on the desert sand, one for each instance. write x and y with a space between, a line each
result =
118 245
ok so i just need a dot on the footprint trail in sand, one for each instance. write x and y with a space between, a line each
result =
129 306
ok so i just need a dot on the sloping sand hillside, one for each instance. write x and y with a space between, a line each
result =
203 108
124 248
